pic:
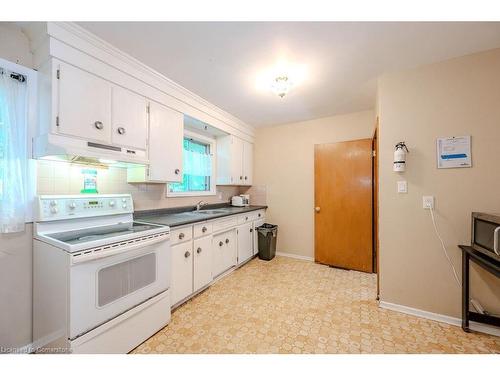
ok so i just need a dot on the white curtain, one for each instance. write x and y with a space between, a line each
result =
13 153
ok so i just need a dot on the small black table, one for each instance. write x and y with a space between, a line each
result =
490 265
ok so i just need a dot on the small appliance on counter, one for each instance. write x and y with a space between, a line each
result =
242 200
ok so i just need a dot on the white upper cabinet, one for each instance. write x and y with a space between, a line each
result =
84 105
166 134
129 118
247 163
234 161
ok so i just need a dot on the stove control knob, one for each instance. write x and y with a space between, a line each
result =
54 210
124 205
72 205
124 200
53 203
111 203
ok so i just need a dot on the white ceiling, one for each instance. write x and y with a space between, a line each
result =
220 61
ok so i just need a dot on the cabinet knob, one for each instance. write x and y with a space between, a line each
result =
204 229
181 236
251 230
259 215
227 240
246 217
317 209
177 171
99 125
246 178
187 254
241 177
121 130
221 243
198 250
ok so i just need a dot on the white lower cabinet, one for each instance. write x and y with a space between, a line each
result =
245 242
182 271
202 262
224 251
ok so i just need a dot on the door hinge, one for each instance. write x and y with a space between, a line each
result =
58 74
147 109
57 120
374 153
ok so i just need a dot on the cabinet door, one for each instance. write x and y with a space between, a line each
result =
237 161
245 242
230 250
84 104
182 272
166 134
129 118
218 248
202 262
247 162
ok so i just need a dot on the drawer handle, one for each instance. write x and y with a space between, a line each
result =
181 236
99 125
221 243
121 130
204 229
198 250
177 171
227 240
187 254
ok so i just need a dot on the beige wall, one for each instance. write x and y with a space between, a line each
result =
284 164
452 98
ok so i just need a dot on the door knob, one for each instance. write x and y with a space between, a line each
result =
317 209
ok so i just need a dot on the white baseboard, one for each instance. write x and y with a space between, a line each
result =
474 326
295 256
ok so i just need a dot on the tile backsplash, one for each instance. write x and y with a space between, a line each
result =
56 177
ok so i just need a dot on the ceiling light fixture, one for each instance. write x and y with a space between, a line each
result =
281 85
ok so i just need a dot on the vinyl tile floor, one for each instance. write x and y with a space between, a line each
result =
293 306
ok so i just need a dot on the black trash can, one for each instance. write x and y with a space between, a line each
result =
267 235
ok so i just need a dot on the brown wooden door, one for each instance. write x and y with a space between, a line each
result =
343 204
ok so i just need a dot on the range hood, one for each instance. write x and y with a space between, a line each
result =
63 148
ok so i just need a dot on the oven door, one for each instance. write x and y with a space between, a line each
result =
103 288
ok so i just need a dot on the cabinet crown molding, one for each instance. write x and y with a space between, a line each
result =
83 40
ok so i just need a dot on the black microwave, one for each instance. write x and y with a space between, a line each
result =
486 233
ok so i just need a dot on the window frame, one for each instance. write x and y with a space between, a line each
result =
211 142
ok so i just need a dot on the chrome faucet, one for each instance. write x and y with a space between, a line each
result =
200 204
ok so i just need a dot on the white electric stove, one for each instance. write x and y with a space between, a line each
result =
100 280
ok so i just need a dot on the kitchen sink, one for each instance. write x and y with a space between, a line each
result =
210 212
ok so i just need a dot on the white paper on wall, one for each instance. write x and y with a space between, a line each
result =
454 152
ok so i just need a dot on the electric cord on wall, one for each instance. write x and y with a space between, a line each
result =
459 283
477 306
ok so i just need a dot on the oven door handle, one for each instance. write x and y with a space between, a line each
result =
118 250
496 234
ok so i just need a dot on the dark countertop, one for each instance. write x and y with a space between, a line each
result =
174 217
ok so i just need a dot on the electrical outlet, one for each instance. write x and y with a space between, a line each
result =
428 202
